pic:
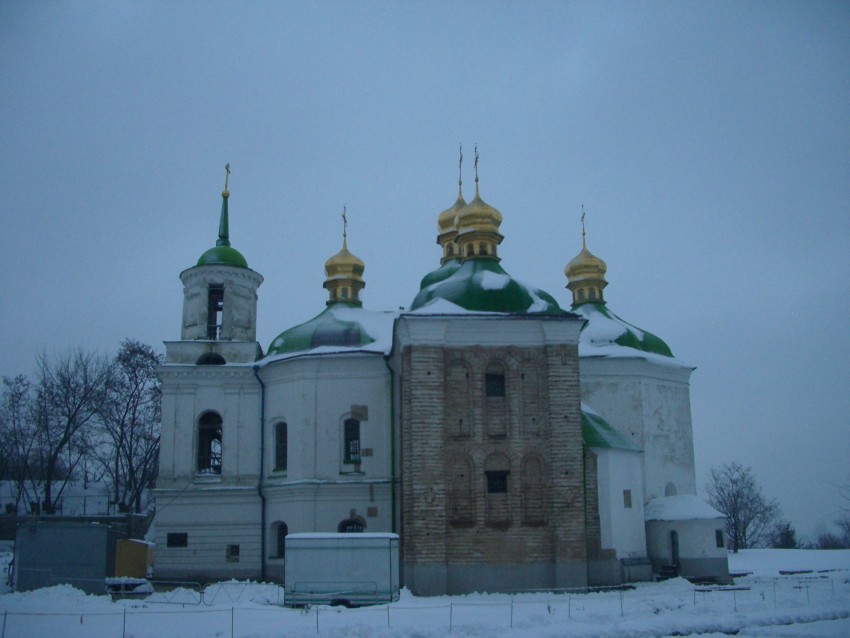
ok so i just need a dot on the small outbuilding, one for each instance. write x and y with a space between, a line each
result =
685 536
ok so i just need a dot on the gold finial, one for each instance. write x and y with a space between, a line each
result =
226 193
476 170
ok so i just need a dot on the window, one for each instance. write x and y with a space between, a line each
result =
497 482
351 526
627 499
593 294
495 384
280 443
232 553
581 294
280 535
177 539
209 443
215 310
718 537
351 441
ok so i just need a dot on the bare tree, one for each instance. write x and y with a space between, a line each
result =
128 446
784 536
70 392
734 492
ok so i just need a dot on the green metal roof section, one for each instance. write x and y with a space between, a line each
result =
324 329
482 285
223 254
442 273
602 324
598 433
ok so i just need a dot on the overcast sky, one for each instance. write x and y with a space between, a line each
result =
709 144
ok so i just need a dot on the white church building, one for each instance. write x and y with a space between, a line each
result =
510 443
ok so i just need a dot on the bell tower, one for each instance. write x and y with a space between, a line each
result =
219 304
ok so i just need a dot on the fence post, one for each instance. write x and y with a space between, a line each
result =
451 614
388 616
569 605
231 621
621 603
735 599
808 599
512 611
317 619
3 635
124 625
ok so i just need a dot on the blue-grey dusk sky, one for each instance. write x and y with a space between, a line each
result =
709 143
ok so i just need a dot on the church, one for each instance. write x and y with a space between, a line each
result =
510 443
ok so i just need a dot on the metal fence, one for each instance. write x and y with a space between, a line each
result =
237 609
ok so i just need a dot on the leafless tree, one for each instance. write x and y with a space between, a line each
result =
734 492
70 391
128 445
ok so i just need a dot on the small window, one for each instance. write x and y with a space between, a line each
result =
177 539
215 311
232 553
350 526
581 294
280 447
497 482
593 294
718 537
451 250
627 499
345 293
209 444
495 384
351 435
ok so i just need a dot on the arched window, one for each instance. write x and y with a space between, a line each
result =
581 294
670 489
280 447
497 469
351 526
593 294
209 443
210 359
280 532
351 441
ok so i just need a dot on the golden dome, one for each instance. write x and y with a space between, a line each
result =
585 266
344 273
478 215
446 220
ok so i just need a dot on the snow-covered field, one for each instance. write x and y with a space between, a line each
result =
763 603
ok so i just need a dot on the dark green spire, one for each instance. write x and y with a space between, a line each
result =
223 226
222 254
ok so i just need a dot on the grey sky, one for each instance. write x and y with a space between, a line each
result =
709 143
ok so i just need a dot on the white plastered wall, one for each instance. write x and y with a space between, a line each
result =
622 527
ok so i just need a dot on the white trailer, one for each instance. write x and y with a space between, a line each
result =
341 569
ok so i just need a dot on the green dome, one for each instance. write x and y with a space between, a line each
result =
223 256
337 325
482 285
597 432
603 328
443 272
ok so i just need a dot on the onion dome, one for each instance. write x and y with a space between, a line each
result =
478 227
222 254
482 285
586 276
446 270
446 222
344 273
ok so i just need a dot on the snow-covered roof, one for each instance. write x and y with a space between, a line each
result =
683 507
607 335
339 328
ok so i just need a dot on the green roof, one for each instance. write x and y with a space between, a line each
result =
482 285
223 256
598 433
443 272
325 329
604 327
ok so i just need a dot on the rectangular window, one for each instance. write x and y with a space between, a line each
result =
232 553
215 310
177 539
495 384
497 482
280 444
351 442
627 499
718 537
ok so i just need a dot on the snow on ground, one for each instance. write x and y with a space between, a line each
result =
764 603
